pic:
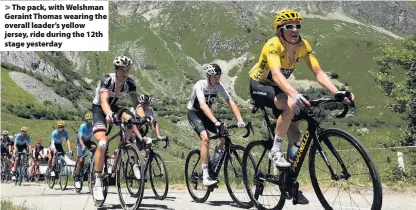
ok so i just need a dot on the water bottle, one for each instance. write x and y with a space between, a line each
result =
217 156
294 152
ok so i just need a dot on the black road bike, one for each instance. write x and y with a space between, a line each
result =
332 154
232 170
121 174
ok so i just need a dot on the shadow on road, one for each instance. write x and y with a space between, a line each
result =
168 198
142 206
222 203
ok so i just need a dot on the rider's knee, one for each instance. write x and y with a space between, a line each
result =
102 145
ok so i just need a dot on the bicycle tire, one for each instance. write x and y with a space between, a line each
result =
50 179
194 197
241 204
157 158
97 203
64 170
246 155
375 178
80 178
140 192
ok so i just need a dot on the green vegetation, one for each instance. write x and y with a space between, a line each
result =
5 204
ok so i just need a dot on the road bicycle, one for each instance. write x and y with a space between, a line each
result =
22 168
122 171
61 171
328 166
232 155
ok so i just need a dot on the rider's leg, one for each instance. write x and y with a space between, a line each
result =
293 135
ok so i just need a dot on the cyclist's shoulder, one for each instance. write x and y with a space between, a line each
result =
106 78
273 42
199 83
54 132
304 44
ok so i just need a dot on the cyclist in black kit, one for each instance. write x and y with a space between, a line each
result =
110 89
201 117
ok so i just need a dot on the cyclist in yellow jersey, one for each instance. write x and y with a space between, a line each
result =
269 85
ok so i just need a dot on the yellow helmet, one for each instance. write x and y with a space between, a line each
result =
285 16
24 128
88 116
60 123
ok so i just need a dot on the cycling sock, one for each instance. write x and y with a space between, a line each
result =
205 174
97 178
277 144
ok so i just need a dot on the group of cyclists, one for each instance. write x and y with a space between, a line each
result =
269 87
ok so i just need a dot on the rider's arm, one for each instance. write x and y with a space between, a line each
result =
203 105
157 128
68 141
104 102
231 103
53 140
80 134
321 77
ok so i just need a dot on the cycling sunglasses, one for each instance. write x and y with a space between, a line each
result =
289 27
61 127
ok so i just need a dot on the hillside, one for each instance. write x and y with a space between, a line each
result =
170 42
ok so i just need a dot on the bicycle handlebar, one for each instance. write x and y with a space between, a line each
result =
117 120
338 97
166 140
224 130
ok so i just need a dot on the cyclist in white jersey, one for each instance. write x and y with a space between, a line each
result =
109 90
201 117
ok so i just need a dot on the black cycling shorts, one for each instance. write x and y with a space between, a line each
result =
200 122
20 148
263 94
58 148
98 118
5 150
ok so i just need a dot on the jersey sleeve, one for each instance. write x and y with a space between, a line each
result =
28 139
131 84
310 58
53 136
273 50
66 135
224 92
105 83
153 114
199 92
81 130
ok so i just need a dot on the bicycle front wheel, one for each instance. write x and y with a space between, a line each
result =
346 175
159 177
261 177
130 174
63 176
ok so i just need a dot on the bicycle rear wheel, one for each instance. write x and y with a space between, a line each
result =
194 178
261 178
125 176
158 173
360 184
80 178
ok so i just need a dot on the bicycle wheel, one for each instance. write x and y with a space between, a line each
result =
125 175
194 177
64 176
349 180
261 178
80 177
234 177
159 180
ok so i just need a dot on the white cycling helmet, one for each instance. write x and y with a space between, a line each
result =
145 99
213 69
5 133
122 61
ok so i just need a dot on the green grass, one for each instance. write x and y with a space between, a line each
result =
5 204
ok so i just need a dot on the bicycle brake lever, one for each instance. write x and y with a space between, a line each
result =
166 142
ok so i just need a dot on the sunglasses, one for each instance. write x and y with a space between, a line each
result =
61 127
89 121
291 26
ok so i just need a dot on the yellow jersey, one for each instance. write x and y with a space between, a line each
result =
273 54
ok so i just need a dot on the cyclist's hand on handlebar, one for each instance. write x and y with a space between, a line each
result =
160 137
241 124
147 140
110 117
346 99
300 100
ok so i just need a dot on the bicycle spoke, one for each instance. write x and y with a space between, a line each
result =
361 194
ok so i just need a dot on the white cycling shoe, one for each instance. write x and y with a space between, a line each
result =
279 159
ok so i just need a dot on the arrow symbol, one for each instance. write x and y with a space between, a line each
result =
7 7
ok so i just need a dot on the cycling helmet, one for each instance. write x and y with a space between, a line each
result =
60 123
24 128
88 116
5 133
38 141
122 61
213 69
145 99
285 16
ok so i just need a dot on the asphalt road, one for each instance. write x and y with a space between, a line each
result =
39 196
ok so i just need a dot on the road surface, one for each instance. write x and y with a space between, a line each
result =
40 197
